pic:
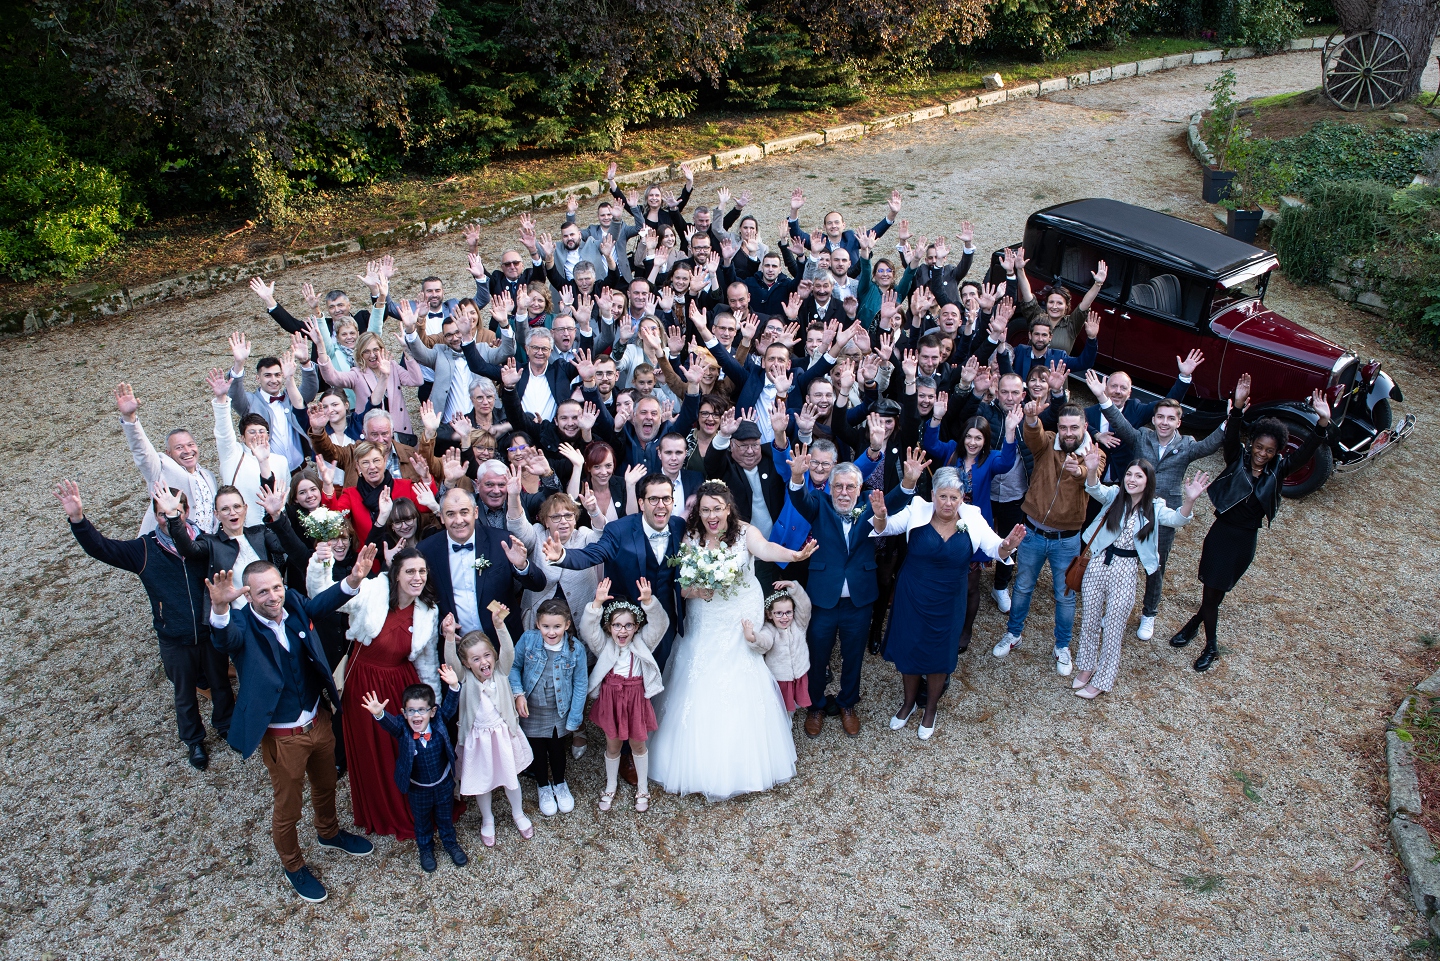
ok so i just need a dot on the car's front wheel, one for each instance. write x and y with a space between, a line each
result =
1311 476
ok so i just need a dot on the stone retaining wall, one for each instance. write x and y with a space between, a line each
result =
86 301
1412 842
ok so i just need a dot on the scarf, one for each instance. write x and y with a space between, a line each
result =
370 496
167 543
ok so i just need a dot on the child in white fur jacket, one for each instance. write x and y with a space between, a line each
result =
782 640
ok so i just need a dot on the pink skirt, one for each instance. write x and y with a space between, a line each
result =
797 692
492 757
622 710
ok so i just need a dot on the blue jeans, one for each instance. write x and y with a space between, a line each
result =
1031 556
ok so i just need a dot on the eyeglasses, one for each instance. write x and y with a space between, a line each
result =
657 501
713 511
418 711
517 450
562 515
509 263
708 414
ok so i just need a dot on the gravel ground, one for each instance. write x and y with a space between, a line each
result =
1033 825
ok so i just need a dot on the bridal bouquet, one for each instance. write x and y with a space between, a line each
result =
710 568
324 524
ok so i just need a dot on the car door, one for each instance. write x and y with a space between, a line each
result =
1161 318
1078 261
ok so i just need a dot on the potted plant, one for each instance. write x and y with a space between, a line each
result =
1219 129
1259 182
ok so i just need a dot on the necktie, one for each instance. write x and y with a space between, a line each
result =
457 548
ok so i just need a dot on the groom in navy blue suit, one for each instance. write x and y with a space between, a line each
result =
842 585
636 546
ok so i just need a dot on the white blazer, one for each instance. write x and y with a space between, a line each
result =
368 610
919 512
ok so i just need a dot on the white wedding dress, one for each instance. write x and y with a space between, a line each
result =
723 729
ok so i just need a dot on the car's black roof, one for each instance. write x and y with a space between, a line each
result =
1152 235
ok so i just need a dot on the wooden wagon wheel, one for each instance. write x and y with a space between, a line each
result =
1364 71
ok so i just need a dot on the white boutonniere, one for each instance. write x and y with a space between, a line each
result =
480 563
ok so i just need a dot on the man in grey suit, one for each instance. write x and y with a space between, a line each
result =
621 231
272 402
1171 452
453 373
179 465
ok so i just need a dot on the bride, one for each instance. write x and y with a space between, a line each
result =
723 728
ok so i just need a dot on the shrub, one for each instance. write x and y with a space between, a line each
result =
1345 151
56 213
1265 25
778 69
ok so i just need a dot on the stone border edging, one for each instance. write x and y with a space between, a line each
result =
1412 842
104 301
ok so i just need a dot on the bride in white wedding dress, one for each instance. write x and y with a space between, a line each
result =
723 729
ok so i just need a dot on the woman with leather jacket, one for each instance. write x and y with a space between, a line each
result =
1246 496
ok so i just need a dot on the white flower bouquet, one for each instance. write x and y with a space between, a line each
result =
324 524
709 568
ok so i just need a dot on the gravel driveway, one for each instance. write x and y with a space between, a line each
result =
1033 825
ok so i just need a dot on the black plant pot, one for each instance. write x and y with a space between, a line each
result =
1216 184
1243 224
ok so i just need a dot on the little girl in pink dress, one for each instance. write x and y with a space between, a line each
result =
493 751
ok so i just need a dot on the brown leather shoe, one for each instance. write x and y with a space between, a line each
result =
850 721
814 721
627 769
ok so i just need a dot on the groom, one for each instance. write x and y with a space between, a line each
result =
636 546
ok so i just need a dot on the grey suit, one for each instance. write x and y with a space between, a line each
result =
254 401
622 232
442 360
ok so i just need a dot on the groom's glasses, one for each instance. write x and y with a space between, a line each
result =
657 501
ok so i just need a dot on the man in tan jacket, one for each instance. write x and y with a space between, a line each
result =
1054 516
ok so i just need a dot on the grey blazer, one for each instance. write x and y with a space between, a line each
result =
253 401
1169 470
442 360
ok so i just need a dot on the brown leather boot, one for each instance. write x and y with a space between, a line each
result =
814 721
850 721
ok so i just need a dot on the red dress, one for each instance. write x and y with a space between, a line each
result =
384 667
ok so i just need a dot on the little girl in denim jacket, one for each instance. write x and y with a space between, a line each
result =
549 679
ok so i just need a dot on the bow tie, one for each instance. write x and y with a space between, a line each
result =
457 548
276 399
424 738
659 535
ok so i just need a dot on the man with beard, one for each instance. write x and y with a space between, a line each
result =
1054 515
608 224
574 249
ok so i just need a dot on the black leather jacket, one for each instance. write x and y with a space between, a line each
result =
1236 482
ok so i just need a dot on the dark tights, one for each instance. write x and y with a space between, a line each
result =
934 687
550 754
1208 614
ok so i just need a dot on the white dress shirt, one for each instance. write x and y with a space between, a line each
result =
760 517
243 559
462 583
538 399
659 540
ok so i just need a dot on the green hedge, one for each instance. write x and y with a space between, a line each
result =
56 213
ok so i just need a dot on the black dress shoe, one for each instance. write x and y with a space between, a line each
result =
1181 638
457 855
874 645
199 757
1207 657
427 860
832 707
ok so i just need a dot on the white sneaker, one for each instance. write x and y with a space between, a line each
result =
1063 664
547 801
1146 630
564 800
1007 643
1002 599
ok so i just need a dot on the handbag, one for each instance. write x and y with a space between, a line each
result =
1075 573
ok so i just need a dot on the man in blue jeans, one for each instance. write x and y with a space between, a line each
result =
1054 516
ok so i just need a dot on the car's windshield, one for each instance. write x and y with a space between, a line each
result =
1242 287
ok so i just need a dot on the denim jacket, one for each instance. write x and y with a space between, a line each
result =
571 674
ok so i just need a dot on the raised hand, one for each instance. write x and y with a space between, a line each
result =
515 552
915 464
810 546
966 236
896 202
223 591
1196 486
643 593
799 463
1012 540
1032 411
729 422
877 507
1100 273
942 406
988 295
805 419
552 549
219 383
1321 406
1092 460
67 492
510 374
266 292
797 200
1242 392
272 499
1092 325
1191 361
126 402
373 705
363 562
602 592
1055 376
239 348
1095 383
970 371
1013 417
447 673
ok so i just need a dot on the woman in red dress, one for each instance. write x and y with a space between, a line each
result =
394 624
372 483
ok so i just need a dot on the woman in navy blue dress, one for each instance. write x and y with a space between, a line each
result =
929 611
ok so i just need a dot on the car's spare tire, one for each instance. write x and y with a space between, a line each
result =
1311 476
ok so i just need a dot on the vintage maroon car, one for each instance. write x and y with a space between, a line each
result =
1173 286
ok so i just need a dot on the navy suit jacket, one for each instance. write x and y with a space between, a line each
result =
750 381
495 583
837 560
1137 414
405 756
256 653
1025 358
625 551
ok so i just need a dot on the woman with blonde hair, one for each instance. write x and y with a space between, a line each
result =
377 380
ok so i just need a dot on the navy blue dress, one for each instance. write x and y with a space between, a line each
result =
930 599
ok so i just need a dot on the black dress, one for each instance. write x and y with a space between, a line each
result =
1230 545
